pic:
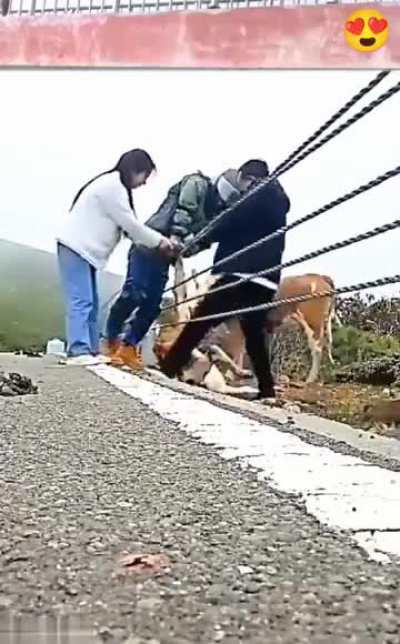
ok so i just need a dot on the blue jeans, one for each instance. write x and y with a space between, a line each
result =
141 294
78 279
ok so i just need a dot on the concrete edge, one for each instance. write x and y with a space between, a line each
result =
333 430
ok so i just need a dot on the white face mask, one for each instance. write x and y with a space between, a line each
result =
227 190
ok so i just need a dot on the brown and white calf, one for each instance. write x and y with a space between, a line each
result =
223 362
214 368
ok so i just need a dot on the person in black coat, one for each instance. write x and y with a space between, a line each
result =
260 215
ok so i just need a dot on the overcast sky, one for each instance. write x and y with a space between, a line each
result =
60 128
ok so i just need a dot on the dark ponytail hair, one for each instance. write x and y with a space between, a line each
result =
133 161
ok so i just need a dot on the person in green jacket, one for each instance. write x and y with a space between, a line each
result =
189 206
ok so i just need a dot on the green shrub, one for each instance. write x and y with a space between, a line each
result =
354 345
382 371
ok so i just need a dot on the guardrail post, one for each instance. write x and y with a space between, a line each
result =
5 6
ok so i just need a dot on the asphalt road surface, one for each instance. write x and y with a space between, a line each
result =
89 473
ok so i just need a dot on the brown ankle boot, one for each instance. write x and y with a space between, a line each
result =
110 348
128 356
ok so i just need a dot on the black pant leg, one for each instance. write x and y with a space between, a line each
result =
253 325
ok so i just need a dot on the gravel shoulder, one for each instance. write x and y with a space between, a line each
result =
87 474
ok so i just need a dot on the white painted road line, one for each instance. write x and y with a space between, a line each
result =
342 492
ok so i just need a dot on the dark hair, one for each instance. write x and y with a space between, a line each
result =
254 168
133 161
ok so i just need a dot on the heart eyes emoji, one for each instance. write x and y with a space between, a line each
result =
366 30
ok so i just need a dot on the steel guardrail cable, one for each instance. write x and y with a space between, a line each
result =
288 165
308 217
363 112
337 115
361 286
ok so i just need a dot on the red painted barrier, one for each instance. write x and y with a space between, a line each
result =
241 38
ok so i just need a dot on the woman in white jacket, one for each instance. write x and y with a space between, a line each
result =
101 212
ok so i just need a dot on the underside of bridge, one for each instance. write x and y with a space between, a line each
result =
246 38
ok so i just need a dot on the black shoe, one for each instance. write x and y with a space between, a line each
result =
266 393
167 369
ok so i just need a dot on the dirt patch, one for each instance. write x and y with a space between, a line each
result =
342 402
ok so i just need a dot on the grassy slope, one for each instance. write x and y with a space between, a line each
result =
31 308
